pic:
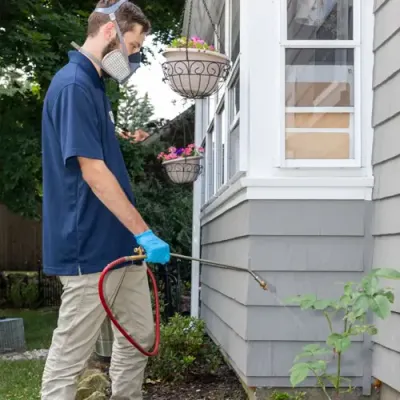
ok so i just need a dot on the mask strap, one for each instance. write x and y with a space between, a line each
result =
111 9
119 33
88 55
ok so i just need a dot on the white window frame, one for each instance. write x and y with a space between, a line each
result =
233 120
209 164
355 135
213 123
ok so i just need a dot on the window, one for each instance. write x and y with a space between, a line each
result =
202 177
320 53
211 109
222 146
220 40
209 168
234 126
235 29
222 121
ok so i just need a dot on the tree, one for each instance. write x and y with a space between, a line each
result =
35 38
166 207
133 112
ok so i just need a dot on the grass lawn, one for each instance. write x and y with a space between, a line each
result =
39 326
22 379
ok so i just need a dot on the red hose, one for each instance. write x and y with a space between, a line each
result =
110 314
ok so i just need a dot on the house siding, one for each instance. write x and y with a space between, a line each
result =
386 196
300 247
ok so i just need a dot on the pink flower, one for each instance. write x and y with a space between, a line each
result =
191 146
188 152
201 149
161 155
212 48
172 149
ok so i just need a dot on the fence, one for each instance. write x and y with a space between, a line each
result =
20 242
21 251
35 289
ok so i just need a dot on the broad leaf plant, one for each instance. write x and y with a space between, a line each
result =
354 307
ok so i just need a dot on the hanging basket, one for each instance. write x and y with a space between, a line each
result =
195 73
183 169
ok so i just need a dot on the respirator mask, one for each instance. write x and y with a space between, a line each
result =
117 63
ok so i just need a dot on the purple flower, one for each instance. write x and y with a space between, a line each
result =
179 152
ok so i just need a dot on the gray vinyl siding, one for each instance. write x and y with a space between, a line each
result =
386 162
299 247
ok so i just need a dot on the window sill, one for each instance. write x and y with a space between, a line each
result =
223 189
319 164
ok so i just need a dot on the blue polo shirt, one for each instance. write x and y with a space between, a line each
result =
80 235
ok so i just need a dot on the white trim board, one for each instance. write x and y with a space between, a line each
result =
296 188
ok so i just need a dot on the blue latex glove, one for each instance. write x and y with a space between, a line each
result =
157 251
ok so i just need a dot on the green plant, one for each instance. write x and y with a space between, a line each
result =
30 294
192 43
184 350
353 306
287 396
16 298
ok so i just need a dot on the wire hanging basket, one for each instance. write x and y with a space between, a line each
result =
194 69
183 170
193 73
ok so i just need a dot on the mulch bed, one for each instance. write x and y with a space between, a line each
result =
222 386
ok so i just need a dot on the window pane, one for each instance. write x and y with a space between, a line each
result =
235 98
319 77
320 19
211 108
203 162
234 151
235 30
224 132
318 81
221 33
209 166
214 162
318 120
317 145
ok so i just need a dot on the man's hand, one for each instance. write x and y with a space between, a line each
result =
157 250
135 137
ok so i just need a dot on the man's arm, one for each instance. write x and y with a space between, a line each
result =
106 187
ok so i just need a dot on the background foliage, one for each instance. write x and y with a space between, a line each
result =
35 38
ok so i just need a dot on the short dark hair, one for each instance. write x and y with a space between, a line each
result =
127 16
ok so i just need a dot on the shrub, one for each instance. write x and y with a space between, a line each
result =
185 350
30 294
286 396
23 291
16 298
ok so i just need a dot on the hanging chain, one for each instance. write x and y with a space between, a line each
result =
182 17
214 25
189 21
189 6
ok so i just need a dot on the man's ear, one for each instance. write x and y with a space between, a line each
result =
109 31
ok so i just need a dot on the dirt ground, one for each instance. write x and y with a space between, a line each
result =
222 386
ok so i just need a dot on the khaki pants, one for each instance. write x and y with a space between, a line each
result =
80 318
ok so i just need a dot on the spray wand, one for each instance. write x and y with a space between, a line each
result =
141 256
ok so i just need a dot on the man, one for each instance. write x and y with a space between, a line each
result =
89 214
